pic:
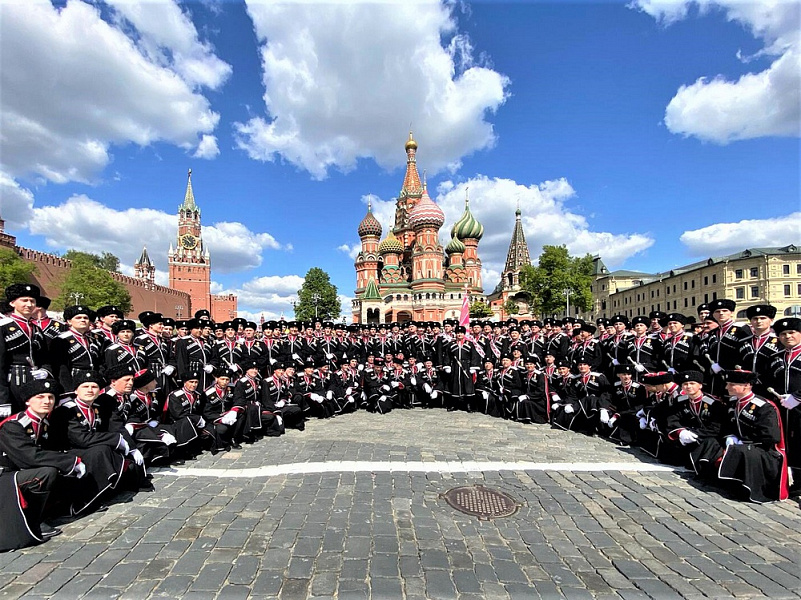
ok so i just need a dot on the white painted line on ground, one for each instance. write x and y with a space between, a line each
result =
412 467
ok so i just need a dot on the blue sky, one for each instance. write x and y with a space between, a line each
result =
652 133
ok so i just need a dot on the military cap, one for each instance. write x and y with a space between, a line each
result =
168 322
678 317
38 386
740 376
686 376
73 311
43 302
624 368
110 309
724 303
588 328
120 371
88 377
788 324
642 319
192 374
193 324
142 378
219 326
702 307
149 318
203 314
21 290
239 321
657 378
760 310
118 326
657 314
251 325
461 329
620 319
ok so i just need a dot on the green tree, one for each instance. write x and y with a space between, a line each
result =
558 271
13 269
510 307
317 284
479 309
106 261
91 285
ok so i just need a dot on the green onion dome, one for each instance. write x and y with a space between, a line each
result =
455 246
467 227
390 244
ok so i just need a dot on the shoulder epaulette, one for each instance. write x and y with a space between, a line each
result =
24 420
69 404
5 320
179 393
758 402
65 335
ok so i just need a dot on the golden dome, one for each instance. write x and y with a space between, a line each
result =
411 144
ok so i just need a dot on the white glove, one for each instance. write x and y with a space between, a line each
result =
5 411
555 397
604 416
485 393
279 420
395 384
427 388
273 361
152 423
349 391
790 402
612 420
129 428
643 423
329 356
434 394
360 368
280 404
716 368
446 368
229 418
317 398
732 440
79 470
137 457
474 369
382 399
40 374
687 437
555 405
123 446
671 370
168 370
295 356
639 368
208 368
329 394
385 387
653 426
168 438
615 362
413 380
569 409
640 413
522 397
202 422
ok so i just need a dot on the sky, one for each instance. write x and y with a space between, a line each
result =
652 133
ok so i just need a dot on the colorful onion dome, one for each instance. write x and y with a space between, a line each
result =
455 246
411 144
390 244
369 224
467 227
426 213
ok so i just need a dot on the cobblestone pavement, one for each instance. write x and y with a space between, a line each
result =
607 531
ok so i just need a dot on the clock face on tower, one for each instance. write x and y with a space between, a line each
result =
188 241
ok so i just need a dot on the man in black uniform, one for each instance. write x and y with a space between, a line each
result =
77 350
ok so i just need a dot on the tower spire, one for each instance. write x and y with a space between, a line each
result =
517 256
189 197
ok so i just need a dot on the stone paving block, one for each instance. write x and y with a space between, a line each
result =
268 583
234 592
211 577
439 585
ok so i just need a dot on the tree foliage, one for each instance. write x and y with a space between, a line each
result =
89 284
558 271
106 261
510 307
479 309
328 306
13 269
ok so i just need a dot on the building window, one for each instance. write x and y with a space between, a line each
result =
798 269
685 286
754 271
674 288
657 306
603 287
603 304
706 280
755 291
714 295
674 305
714 278
692 284
685 303
692 301
667 291
738 274
657 293
785 269
786 290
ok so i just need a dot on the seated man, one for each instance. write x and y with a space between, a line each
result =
754 456
224 421
25 446
532 405
183 411
486 399
141 413
694 423
628 398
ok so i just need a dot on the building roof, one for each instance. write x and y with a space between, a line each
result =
369 224
518 255
467 227
371 291
144 259
189 197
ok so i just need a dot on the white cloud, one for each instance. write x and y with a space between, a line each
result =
271 296
207 148
16 202
85 224
337 73
767 103
726 238
169 38
352 250
74 85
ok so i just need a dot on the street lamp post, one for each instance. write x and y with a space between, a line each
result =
567 302
315 298
178 309
77 297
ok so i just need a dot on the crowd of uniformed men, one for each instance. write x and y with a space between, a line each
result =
89 403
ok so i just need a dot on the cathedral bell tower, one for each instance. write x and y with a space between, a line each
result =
190 263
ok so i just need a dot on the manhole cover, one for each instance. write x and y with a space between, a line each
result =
481 502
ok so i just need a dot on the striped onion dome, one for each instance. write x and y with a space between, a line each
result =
369 224
455 246
467 227
390 244
426 213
